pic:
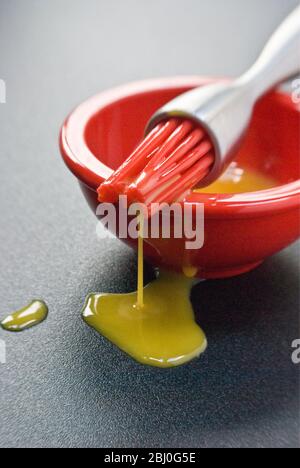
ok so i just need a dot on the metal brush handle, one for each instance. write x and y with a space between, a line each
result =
225 109
279 60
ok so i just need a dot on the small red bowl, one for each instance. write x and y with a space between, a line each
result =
241 230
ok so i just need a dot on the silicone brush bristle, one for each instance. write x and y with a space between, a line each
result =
165 167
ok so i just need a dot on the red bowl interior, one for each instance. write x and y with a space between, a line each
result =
102 132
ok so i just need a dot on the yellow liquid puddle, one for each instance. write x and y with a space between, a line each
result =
154 325
162 333
27 317
238 180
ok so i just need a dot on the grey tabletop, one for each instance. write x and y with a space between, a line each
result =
62 385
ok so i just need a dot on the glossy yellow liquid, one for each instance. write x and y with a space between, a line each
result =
27 317
238 180
154 325
162 333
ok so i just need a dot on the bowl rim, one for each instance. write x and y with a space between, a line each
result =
92 172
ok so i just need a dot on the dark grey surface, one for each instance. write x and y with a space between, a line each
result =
63 385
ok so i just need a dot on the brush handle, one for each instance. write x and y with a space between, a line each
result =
279 60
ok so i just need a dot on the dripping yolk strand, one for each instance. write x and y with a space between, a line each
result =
140 282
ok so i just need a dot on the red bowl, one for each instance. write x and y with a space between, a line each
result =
241 230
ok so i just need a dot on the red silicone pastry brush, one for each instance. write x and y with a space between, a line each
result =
170 160
191 140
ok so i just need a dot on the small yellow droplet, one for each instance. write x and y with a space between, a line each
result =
27 317
190 271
